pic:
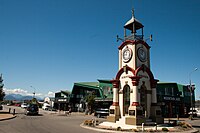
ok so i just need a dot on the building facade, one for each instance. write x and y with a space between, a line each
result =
62 100
174 99
102 90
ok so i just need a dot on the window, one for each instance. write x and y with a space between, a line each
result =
168 91
107 90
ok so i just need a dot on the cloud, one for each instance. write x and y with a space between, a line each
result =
16 91
21 92
51 94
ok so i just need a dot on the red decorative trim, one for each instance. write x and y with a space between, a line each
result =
135 80
135 103
115 83
144 69
134 42
122 70
115 104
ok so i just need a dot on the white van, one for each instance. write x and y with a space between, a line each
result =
195 111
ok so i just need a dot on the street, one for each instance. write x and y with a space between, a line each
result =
45 122
51 122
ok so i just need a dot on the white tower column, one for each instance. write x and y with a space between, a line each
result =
114 113
115 92
135 95
154 96
153 92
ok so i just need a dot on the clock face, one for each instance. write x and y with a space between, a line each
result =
142 55
127 54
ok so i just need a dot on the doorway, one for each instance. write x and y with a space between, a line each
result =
143 97
126 99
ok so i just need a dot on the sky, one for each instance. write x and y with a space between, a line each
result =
48 45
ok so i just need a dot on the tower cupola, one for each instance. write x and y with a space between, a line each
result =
133 25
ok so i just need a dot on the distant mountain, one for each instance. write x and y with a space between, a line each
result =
13 96
9 97
19 97
27 98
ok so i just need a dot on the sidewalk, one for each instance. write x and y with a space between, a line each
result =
112 127
5 115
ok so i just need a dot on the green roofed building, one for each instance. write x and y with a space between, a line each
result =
62 100
102 91
174 99
80 91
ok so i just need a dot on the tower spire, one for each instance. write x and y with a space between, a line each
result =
133 15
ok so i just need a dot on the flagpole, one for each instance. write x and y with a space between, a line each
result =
190 88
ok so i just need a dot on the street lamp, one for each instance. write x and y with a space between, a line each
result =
190 88
34 91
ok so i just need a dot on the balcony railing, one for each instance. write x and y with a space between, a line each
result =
134 37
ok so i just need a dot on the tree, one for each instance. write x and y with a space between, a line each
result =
90 102
2 94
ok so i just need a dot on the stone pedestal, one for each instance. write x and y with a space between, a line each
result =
156 114
114 114
135 116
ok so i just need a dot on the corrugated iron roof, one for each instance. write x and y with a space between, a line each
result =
94 85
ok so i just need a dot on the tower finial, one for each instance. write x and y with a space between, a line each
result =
133 12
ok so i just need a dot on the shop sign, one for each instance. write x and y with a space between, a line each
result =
62 100
172 98
126 76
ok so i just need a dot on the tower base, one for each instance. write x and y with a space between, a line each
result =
135 116
114 114
156 114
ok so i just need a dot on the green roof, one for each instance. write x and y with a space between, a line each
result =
104 81
94 85
66 92
166 82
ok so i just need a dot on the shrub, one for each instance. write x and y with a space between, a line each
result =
119 128
180 123
150 130
184 126
88 122
164 129
188 125
135 130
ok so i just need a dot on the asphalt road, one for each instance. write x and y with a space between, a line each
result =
49 122
46 122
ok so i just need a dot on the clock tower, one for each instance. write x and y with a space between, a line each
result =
134 87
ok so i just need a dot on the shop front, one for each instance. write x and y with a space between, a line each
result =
62 100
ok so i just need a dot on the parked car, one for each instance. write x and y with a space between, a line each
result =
18 104
32 109
24 105
8 104
101 112
196 113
